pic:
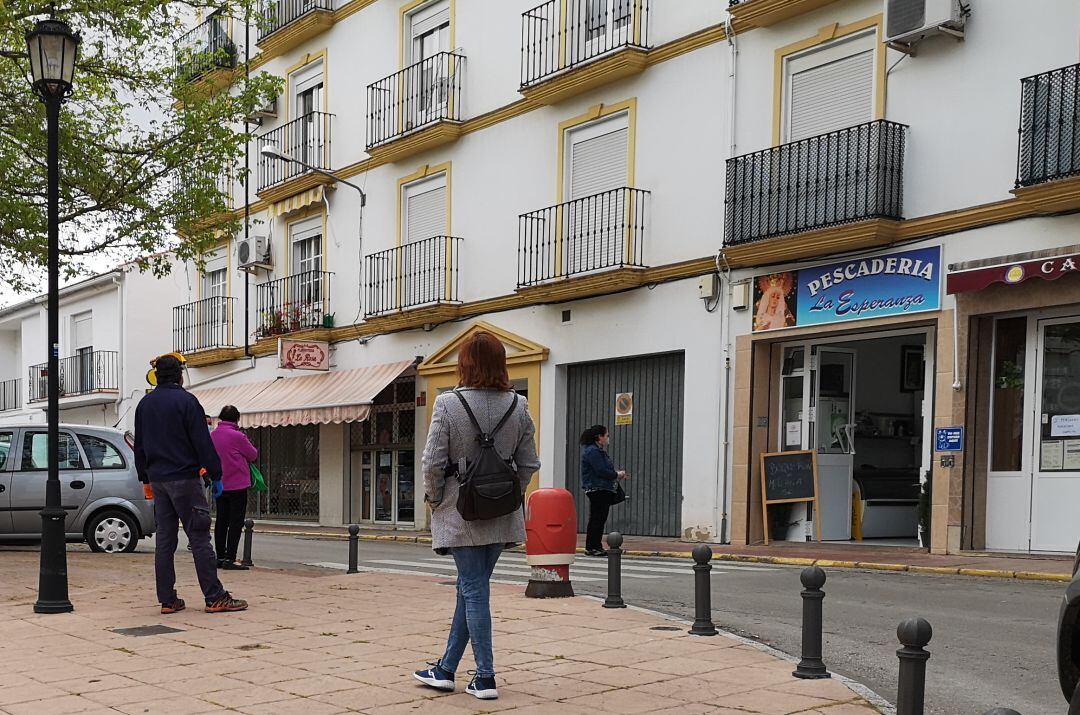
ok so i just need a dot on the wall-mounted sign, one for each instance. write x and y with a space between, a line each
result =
1048 269
624 408
870 287
303 355
949 439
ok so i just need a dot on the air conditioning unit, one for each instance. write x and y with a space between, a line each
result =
254 252
267 111
907 21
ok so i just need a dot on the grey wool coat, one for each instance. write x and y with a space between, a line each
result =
452 437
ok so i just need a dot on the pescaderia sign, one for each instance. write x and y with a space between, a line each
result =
871 287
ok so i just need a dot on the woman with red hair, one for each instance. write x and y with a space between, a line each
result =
452 444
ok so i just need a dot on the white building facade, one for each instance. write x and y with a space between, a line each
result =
611 187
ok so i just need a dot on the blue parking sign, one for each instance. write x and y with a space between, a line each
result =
949 439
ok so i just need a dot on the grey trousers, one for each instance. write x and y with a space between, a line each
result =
184 502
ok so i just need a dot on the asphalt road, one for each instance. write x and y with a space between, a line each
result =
993 639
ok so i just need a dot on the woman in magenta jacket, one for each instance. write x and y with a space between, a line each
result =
237 454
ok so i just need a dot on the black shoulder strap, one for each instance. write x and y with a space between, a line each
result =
476 424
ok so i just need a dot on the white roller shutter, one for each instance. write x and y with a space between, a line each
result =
82 330
832 96
433 16
598 164
425 212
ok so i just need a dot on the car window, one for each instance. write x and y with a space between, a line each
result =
36 452
100 453
5 448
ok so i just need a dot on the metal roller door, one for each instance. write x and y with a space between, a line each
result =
649 449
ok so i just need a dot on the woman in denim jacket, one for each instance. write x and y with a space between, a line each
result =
598 479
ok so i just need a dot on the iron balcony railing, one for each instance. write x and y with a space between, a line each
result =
849 175
563 34
416 274
305 138
280 13
86 373
298 302
1049 126
593 233
205 47
206 324
421 94
10 395
198 175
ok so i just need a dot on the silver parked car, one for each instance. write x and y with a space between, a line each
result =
107 506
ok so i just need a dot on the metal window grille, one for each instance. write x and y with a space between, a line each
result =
297 302
417 96
420 273
10 395
306 138
552 42
1049 126
203 325
83 374
289 461
280 13
205 47
849 175
598 232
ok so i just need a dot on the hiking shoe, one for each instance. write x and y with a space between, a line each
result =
436 677
175 607
226 604
483 688
228 565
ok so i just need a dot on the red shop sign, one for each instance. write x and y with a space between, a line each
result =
1048 269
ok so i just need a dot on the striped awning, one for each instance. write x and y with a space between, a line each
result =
295 203
325 398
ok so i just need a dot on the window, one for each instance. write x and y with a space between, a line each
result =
35 455
307 141
305 238
307 83
599 157
424 206
1007 415
607 15
82 339
214 283
428 31
830 87
5 448
100 453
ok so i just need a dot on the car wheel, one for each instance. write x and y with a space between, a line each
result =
112 532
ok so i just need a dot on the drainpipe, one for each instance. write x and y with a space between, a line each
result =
247 187
121 357
956 384
723 418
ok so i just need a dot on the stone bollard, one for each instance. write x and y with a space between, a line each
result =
703 625
614 571
249 526
811 666
354 548
913 635
1002 711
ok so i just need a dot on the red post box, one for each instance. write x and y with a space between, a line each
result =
550 542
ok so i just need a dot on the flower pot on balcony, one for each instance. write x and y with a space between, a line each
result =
294 326
328 320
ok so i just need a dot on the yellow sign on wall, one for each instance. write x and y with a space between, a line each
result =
624 408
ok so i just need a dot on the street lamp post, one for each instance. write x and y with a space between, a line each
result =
52 48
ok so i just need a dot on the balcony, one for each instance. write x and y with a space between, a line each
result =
845 177
420 278
287 24
597 234
294 304
416 109
88 374
571 46
197 176
306 138
1048 159
11 395
206 324
205 53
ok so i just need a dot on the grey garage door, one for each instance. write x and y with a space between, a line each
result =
649 449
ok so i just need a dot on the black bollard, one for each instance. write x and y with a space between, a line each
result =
703 625
811 666
913 634
249 525
1002 711
354 548
614 571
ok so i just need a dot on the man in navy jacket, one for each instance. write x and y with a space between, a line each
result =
174 454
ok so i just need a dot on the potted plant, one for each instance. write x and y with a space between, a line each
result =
924 514
294 319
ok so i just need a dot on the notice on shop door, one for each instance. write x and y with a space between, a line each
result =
1052 456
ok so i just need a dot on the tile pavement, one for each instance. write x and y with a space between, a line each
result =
317 643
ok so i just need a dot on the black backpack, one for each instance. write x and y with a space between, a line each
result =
489 487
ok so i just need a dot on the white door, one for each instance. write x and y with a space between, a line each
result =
306 294
595 221
307 140
428 90
607 24
1055 489
81 379
214 319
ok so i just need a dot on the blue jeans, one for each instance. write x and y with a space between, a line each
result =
472 618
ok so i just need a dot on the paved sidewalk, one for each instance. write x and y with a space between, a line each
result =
1037 567
315 643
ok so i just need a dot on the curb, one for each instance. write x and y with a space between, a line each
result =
746 559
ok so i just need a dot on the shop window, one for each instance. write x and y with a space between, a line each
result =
1007 415
384 427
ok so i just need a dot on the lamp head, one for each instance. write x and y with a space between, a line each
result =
271 151
52 48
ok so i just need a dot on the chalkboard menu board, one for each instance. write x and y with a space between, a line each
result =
788 477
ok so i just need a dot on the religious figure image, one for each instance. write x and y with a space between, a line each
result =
774 301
